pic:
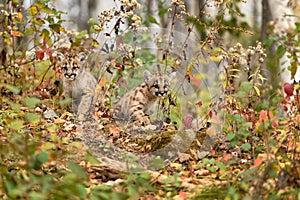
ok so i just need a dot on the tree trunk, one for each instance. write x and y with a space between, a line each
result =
266 18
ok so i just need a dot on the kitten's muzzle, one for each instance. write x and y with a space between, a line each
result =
160 94
70 76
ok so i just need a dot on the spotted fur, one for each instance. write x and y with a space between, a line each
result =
78 83
137 104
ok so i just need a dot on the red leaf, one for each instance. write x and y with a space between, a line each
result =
44 42
40 54
195 81
199 103
49 52
288 89
210 113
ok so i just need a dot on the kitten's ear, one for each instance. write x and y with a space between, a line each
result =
59 56
172 76
82 56
147 76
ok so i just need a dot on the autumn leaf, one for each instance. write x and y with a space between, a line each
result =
182 195
199 103
20 16
258 161
227 157
16 34
288 89
40 54
265 116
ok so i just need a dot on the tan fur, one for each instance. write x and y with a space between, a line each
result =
137 104
78 83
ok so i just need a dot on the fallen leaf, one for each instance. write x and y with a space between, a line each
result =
227 157
258 161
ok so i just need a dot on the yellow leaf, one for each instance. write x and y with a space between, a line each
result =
215 58
32 10
257 90
176 165
20 16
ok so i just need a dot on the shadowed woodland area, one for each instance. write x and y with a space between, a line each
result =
226 125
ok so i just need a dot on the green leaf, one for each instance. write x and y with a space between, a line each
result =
13 89
39 160
247 125
221 165
280 51
76 169
16 125
246 86
43 157
52 127
30 102
246 147
157 162
80 189
269 42
91 159
163 11
47 10
92 21
238 118
244 133
55 27
46 33
16 107
293 68
255 138
28 32
37 196
65 101
81 34
230 136
32 117
152 19
211 169
48 146
43 1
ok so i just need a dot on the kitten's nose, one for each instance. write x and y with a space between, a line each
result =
161 94
69 75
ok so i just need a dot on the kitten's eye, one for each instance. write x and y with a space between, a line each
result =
75 67
166 86
64 68
155 86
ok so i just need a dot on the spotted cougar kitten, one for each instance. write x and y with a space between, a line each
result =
78 83
136 105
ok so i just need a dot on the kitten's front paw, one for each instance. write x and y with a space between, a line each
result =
145 121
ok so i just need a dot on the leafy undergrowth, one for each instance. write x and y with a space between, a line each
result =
46 156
